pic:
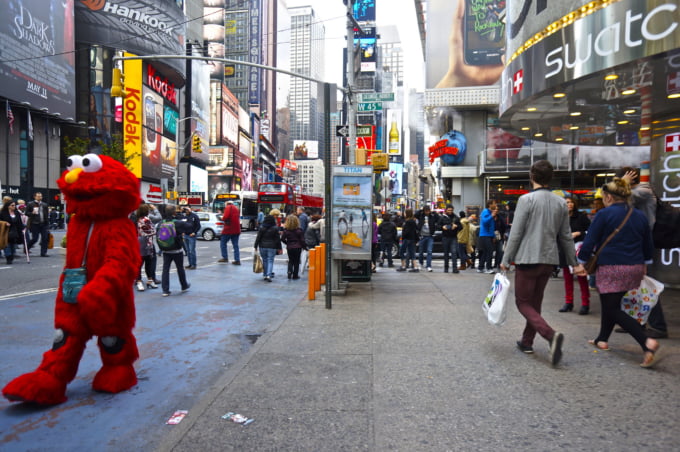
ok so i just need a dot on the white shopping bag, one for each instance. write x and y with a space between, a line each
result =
304 258
495 303
638 303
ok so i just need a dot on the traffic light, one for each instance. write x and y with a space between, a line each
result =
196 143
117 83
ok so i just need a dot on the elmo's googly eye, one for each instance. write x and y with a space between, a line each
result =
92 163
73 162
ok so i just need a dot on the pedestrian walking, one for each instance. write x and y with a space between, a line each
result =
485 245
231 232
190 238
409 238
146 234
39 223
622 263
450 225
463 237
11 216
294 239
388 237
579 224
268 241
427 225
176 253
540 217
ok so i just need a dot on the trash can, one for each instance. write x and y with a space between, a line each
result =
355 270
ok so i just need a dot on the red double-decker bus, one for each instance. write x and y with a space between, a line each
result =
282 196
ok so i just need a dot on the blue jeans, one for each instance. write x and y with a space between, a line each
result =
450 245
462 252
408 251
190 246
425 244
224 238
268 255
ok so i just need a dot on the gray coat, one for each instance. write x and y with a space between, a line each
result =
541 221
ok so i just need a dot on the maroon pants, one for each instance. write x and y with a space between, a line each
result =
569 287
530 282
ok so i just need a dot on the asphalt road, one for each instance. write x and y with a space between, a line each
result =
186 341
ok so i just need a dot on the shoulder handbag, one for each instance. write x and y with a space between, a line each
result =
75 278
591 265
4 234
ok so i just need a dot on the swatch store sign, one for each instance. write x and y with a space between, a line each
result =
619 33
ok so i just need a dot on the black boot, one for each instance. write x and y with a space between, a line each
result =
10 259
568 307
584 310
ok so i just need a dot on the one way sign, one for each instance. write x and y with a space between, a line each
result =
342 131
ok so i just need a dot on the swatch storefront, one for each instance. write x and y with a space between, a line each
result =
600 73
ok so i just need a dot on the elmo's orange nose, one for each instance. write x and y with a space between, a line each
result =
72 175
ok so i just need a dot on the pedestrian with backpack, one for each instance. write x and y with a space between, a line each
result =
169 239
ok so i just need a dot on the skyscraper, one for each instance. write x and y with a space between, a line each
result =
306 57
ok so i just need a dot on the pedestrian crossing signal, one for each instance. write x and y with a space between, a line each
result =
196 144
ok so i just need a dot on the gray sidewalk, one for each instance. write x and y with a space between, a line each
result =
408 362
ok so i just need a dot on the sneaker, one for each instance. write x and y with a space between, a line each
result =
490 272
223 260
455 270
186 288
429 269
414 270
401 269
236 263
140 286
556 348
268 279
525 348
166 294
479 270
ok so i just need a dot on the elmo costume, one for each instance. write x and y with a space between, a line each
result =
99 192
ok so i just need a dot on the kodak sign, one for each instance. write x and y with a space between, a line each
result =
132 114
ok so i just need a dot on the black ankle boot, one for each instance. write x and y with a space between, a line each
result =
584 310
568 307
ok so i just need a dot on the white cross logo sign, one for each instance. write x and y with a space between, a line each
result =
517 81
673 82
673 142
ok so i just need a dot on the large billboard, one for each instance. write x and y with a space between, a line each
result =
144 27
305 150
465 42
200 108
37 56
255 53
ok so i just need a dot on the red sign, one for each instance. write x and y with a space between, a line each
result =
673 142
439 148
160 84
518 81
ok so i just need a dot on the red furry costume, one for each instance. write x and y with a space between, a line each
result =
101 190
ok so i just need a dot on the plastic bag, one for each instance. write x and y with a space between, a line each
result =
638 303
257 263
495 303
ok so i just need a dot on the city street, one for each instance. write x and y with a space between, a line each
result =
186 342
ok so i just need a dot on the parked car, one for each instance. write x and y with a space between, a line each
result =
211 225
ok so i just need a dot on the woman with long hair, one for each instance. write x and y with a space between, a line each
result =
10 215
579 224
145 234
268 241
622 263
294 239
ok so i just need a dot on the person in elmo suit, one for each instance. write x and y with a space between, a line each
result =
100 193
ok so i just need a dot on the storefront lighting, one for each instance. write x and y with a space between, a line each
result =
499 177
629 112
644 128
611 77
559 139
619 143
559 95
532 109
628 92
526 128
573 128
575 113
623 122
538 134
674 96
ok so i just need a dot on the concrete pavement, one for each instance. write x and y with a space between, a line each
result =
408 362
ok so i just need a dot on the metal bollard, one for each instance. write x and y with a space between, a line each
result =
311 286
317 278
322 273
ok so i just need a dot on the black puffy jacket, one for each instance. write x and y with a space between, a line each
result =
268 236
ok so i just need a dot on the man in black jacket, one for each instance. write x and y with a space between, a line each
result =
427 225
450 225
388 237
190 238
38 222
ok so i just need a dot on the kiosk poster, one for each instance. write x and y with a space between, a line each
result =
352 226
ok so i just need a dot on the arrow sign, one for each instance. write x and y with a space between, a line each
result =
341 131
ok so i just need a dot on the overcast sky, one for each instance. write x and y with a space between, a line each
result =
400 13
